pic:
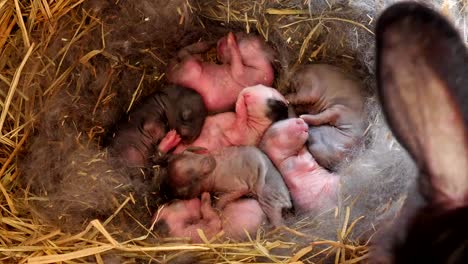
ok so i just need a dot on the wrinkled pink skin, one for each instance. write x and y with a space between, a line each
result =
245 127
184 217
312 187
246 61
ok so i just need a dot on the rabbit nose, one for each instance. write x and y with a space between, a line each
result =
301 122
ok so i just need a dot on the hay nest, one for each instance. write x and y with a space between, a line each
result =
70 68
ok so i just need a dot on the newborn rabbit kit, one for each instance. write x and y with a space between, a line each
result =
113 95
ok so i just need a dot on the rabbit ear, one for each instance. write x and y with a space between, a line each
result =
422 72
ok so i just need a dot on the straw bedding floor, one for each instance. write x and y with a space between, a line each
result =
70 68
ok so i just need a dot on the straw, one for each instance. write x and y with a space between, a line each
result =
27 31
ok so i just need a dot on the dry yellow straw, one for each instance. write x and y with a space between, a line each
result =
4 167
24 239
114 244
5 29
330 19
13 87
19 17
68 256
137 91
273 11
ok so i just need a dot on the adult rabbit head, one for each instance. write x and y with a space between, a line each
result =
422 75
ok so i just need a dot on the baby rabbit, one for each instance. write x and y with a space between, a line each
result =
245 61
232 172
331 102
137 135
422 74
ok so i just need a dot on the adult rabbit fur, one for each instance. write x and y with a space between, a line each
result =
422 75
